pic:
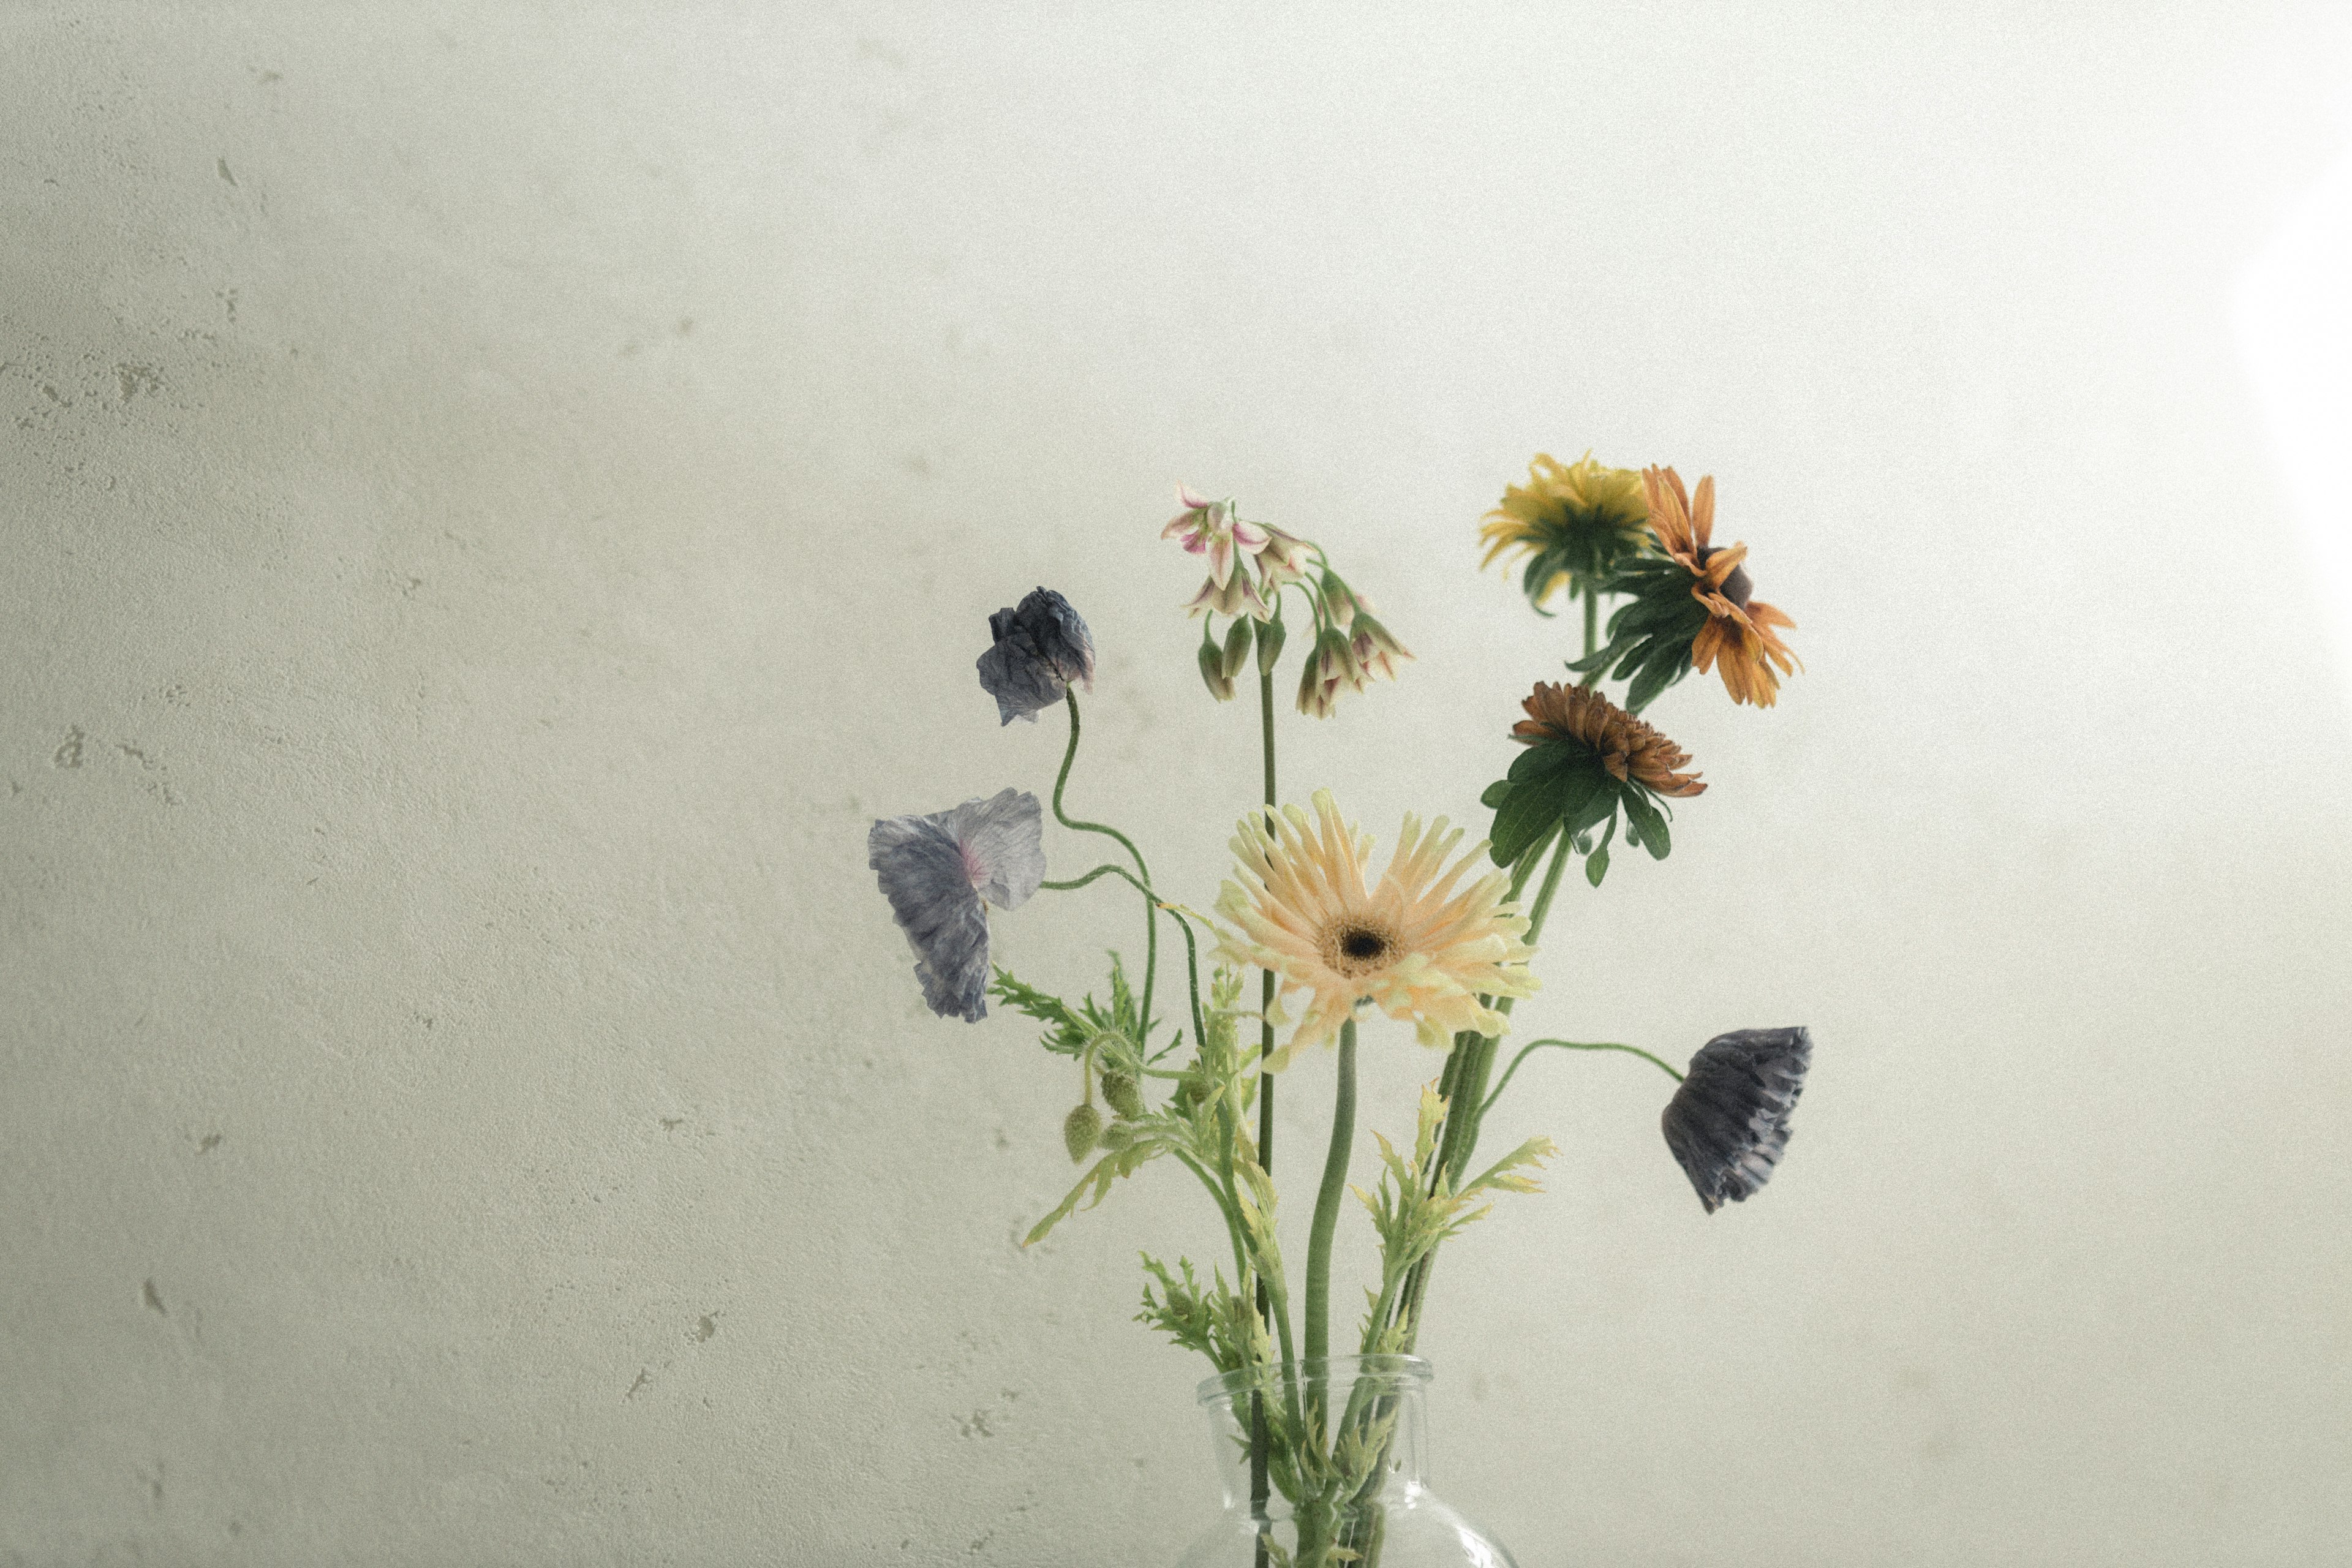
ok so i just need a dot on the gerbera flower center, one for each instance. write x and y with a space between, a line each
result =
1358 947
1736 587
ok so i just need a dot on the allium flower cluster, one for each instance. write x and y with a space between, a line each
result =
1210 527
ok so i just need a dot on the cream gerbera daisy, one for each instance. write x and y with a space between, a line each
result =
1411 945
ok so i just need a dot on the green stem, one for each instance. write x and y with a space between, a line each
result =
1591 627
1534 1045
1460 1136
1464 1134
1151 900
1260 1485
1326 1205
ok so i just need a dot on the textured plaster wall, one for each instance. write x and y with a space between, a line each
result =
492 502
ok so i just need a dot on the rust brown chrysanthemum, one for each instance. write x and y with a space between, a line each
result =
1628 747
1740 629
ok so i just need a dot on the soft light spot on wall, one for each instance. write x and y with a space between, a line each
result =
2294 333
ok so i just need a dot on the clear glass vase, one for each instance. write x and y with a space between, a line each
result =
1345 1443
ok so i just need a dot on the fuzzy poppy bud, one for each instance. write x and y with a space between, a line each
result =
1237 647
1116 1137
1120 1093
1213 670
1191 1090
1081 1130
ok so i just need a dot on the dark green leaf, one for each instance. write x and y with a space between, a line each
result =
1665 666
1596 864
1599 807
1643 816
1549 757
1525 817
1540 568
1496 793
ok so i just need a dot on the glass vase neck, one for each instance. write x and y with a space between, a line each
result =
1372 1400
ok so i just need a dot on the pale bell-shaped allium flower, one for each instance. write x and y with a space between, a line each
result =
1729 1122
1375 647
1237 597
1042 650
1283 560
939 873
1210 527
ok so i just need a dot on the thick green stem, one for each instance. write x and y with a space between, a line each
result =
1151 900
1591 628
1326 1205
1465 1110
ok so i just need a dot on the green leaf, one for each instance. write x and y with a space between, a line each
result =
1549 757
1593 661
1646 825
1596 864
1495 795
1665 666
1592 808
1526 816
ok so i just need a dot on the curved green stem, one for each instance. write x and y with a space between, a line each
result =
1151 900
1534 1045
1327 1202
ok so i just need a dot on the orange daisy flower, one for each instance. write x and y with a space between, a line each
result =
1739 629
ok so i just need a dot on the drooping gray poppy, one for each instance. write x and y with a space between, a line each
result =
935 872
1042 650
1729 1122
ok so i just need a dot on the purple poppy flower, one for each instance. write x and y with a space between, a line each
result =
935 872
1042 650
1729 1122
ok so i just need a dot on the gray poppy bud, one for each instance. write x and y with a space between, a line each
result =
1081 1130
1120 1093
1042 650
1729 1122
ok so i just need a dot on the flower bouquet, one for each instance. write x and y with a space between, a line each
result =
1322 1446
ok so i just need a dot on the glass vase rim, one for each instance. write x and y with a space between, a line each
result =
1408 1370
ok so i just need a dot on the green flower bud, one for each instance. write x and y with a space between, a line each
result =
1213 670
1269 645
1191 1090
1237 647
1116 1136
1119 1091
1081 1130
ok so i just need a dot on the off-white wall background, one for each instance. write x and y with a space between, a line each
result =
494 503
